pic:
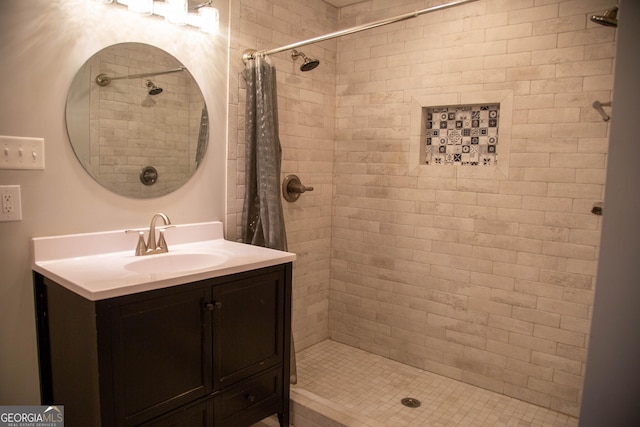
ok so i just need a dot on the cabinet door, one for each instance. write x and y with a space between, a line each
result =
248 326
161 352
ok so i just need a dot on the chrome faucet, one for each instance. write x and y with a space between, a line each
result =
152 246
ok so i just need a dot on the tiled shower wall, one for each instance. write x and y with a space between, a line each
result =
306 108
483 274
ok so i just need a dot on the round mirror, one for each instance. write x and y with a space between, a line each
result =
137 120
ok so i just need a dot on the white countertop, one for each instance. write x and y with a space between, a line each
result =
103 265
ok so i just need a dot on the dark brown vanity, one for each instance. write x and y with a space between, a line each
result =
208 352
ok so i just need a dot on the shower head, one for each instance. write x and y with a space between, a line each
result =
153 89
609 18
308 64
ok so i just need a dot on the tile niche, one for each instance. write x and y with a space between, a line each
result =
464 135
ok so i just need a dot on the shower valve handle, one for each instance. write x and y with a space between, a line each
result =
298 188
292 188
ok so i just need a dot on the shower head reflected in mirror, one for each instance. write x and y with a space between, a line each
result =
609 18
308 64
153 89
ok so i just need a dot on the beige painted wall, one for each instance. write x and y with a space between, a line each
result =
42 44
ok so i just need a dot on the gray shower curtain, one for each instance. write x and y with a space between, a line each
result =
262 217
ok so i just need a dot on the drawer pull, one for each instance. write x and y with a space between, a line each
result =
250 397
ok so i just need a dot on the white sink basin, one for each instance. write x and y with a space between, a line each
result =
174 262
102 265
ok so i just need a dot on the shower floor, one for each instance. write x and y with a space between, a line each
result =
339 385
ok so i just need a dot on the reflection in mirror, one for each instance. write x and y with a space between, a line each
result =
133 108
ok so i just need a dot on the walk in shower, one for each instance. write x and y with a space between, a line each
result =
482 274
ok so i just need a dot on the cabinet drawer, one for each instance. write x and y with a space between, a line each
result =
247 402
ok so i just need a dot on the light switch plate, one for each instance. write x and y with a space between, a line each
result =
18 152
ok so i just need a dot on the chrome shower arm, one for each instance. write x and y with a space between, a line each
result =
103 79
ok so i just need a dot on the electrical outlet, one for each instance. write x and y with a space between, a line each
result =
11 204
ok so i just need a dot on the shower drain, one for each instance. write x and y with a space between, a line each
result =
410 402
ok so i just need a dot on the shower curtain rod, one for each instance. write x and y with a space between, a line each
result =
252 54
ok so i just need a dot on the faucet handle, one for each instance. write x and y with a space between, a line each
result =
141 246
162 243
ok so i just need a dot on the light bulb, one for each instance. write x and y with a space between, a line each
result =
177 11
209 19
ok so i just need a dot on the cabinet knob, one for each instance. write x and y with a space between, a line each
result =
250 397
213 305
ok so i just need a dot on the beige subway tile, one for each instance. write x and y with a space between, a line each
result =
550 175
520 215
578 160
500 201
532 343
556 234
510 352
536 316
533 14
557 390
575 324
532 72
563 279
578 190
523 188
507 60
585 68
548 204
578 296
477 49
511 324
556 362
488 306
541 261
568 250
496 227
491 281
554 115
516 298
572 220
527 102
526 367
598 83
509 32
582 266
557 85
600 50
466 339
533 43
591 176
558 56
585 37
570 352
536 130
527 395
529 159
550 305
559 335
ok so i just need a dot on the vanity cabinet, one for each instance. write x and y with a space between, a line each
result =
209 353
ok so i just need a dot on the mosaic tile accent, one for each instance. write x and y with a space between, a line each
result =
465 135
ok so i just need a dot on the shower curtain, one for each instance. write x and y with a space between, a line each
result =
262 217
